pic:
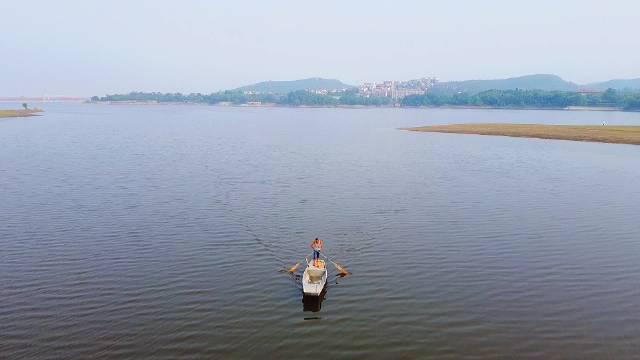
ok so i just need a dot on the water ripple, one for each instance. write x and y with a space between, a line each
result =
159 233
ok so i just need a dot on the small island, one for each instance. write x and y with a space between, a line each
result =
26 112
605 134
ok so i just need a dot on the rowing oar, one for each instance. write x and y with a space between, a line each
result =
295 267
340 269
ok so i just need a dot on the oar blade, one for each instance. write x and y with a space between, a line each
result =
341 269
294 268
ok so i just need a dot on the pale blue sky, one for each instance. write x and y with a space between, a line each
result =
97 47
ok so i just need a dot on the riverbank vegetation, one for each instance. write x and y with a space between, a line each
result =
528 99
294 98
491 98
19 113
606 134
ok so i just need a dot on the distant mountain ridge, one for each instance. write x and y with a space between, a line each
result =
528 82
618 84
286 86
547 82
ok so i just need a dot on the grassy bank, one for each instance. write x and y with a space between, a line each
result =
605 134
19 113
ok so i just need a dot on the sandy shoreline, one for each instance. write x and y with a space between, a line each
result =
604 134
19 113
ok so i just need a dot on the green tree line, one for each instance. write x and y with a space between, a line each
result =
492 98
527 98
294 98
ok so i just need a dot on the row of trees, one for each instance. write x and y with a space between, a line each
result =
493 98
527 98
295 98
224 96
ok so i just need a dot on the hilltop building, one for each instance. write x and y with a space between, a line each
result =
397 89
384 89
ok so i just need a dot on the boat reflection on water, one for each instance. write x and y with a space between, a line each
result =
313 303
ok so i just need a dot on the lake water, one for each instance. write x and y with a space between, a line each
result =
158 232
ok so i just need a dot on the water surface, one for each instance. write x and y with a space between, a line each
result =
159 231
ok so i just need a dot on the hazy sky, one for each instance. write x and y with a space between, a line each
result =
97 47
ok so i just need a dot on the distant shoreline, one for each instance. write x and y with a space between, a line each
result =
42 100
605 134
453 107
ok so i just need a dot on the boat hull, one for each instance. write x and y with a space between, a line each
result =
314 280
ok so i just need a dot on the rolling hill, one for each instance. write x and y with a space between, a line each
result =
618 84
283 87
527 82
546 82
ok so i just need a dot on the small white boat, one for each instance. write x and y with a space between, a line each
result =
314 278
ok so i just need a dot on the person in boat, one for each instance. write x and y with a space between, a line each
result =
316 245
